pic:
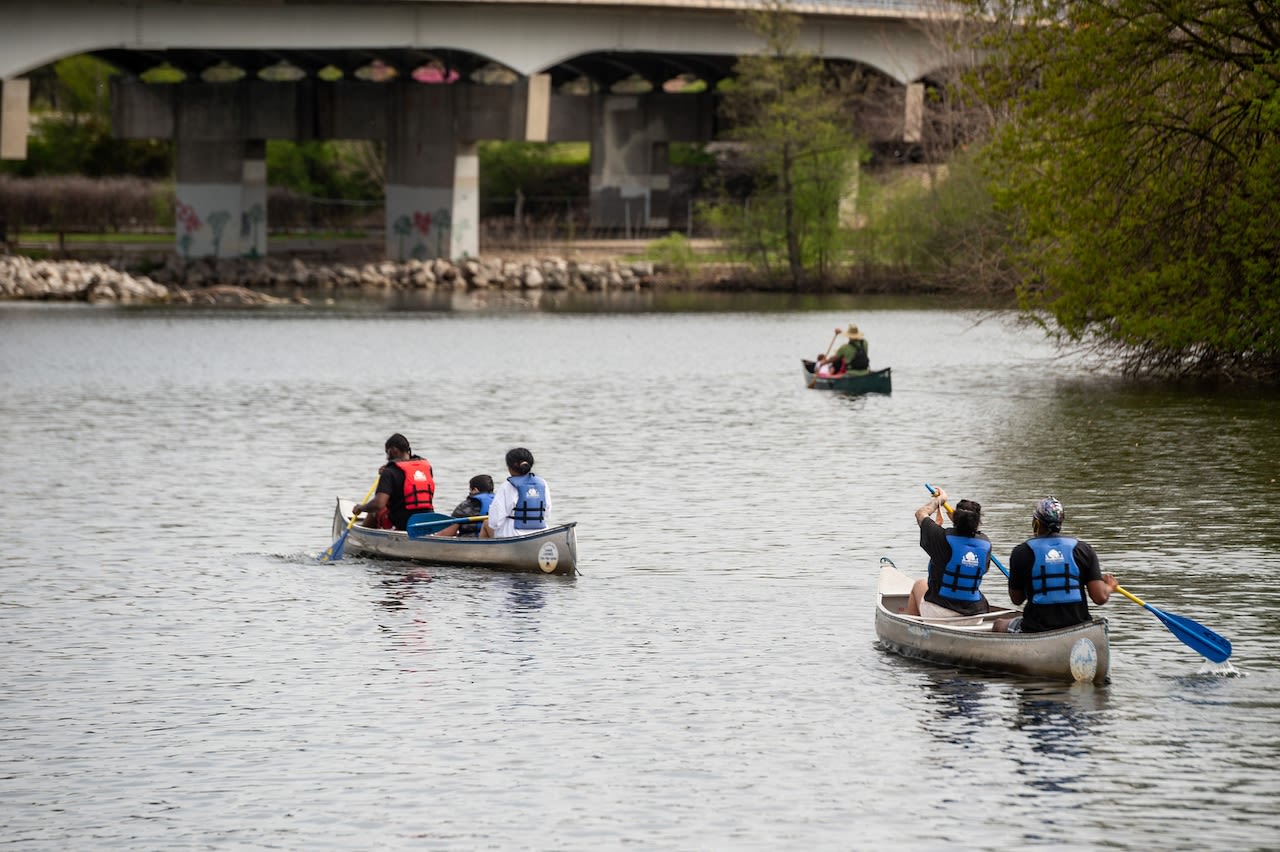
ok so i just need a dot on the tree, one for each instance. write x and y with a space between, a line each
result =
795 134
1141 157
71 127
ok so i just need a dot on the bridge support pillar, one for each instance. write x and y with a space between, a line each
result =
433 178
15 94
630 170
913 120
221 198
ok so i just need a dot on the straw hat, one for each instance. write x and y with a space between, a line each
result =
852 333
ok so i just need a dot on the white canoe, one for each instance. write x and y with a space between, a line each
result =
550 551
1079 653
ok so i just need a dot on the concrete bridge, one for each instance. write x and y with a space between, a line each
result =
430 79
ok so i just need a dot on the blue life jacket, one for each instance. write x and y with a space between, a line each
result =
1055 577
962 575
481 500
530 512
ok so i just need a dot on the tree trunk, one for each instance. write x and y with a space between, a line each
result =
789 221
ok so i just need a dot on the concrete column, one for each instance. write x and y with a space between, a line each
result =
421 164
464 235
15 95
253 200
630 175
221 198
537 114
913 121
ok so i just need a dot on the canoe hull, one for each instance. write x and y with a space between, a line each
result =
874 381
550 551
1075 654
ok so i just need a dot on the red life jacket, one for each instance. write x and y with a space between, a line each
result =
419 486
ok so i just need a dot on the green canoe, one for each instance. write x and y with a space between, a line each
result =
854 381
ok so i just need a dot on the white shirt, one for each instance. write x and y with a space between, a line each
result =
504 502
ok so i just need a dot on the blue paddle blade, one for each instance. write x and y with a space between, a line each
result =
422 524
334 552
1195 635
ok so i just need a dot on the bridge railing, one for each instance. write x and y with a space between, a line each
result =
911 8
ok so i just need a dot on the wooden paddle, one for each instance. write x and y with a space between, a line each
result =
813 381
1193 634
420 524
334 551
834 338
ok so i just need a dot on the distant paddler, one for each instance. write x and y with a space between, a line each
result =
852 355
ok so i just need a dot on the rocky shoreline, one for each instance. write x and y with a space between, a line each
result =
253 282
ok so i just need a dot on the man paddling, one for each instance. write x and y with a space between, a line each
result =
853 355
405 487
1055 575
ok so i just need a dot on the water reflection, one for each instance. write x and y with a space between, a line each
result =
1060 724
636 302
403 585
960 707
525 593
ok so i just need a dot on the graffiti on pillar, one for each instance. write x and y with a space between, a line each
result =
218 220
458 229
403 227
250 221
188 223
422 224
444 223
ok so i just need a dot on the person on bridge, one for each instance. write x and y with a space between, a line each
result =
479 496
405 487
853 355
959 557
522 504
1054 575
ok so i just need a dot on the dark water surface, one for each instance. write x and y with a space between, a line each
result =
179 673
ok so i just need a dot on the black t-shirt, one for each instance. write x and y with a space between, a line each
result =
934 541
1036 618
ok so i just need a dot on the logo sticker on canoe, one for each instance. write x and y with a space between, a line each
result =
1084 660
549 557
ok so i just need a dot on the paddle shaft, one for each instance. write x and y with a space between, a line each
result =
335 549
834 338
813 380
1139 601
951 513
1191 633
444 522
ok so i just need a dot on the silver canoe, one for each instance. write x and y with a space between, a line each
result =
550 551
1079 653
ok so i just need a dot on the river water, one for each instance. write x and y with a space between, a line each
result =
180 673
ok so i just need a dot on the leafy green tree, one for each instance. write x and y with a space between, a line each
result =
323 169
71 129
1140 154
793 124
937 228
83 87
536 175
